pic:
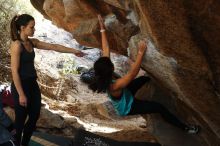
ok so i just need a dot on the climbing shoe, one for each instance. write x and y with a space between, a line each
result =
192 129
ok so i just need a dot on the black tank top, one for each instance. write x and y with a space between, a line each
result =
27 69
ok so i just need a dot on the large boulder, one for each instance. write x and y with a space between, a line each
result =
183 40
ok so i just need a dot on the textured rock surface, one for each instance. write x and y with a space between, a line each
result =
183 54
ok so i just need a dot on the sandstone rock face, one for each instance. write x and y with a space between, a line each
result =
183 40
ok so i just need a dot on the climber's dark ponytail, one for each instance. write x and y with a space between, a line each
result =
104 69
14 32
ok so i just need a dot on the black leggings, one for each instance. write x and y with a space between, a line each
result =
32 92
147 107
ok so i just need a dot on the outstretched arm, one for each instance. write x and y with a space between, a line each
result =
56 47
105 46
125 80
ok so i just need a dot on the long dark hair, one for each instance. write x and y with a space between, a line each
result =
104 69
16 23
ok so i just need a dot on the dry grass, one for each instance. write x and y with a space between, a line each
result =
6 13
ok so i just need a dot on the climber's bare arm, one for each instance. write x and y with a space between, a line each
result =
126 79
105 45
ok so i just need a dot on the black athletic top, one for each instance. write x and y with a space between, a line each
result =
27 69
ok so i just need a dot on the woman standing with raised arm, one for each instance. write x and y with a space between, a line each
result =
24 87
122 91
